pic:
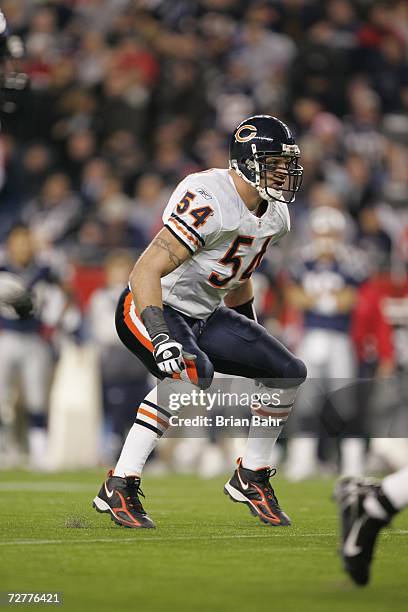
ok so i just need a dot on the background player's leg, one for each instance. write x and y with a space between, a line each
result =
36 370
8 373
342 373
365 508
303 441
239 346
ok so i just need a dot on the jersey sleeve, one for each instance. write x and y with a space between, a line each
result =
193 215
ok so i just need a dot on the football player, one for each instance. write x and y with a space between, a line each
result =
365 508
25 333
324 284
217 227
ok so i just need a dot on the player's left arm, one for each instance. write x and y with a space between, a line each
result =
241 299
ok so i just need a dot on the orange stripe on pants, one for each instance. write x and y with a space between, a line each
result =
191 370
132 327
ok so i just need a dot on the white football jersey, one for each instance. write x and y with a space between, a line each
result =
226 241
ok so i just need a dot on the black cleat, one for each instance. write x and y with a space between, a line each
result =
359 530
252 487
120 497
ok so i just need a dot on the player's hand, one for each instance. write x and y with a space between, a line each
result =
168 354
24 306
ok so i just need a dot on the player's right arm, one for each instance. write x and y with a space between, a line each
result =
192 220
164 254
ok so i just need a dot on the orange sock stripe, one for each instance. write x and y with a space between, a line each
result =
257 411
132 327
162 422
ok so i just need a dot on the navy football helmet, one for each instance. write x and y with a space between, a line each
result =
264 153
13 81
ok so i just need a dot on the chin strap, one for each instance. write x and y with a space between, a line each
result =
278 197
265 195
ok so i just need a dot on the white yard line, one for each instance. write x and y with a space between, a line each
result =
46 486
137 538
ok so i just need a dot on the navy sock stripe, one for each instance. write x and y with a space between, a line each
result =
37 420
156 407
148 426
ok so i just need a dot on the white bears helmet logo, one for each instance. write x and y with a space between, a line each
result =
247 127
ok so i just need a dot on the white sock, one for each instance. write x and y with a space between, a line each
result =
38 448
258 450
151 422
352 456
395 488
302 457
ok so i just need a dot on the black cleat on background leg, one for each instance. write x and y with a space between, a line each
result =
359 530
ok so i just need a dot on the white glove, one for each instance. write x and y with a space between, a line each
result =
168 354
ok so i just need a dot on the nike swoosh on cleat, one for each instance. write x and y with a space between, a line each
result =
245 486
350 548
108 493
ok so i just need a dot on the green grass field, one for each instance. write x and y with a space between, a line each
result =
206 553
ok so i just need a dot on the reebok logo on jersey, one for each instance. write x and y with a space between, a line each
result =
204 193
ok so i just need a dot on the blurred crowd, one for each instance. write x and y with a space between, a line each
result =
127 97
